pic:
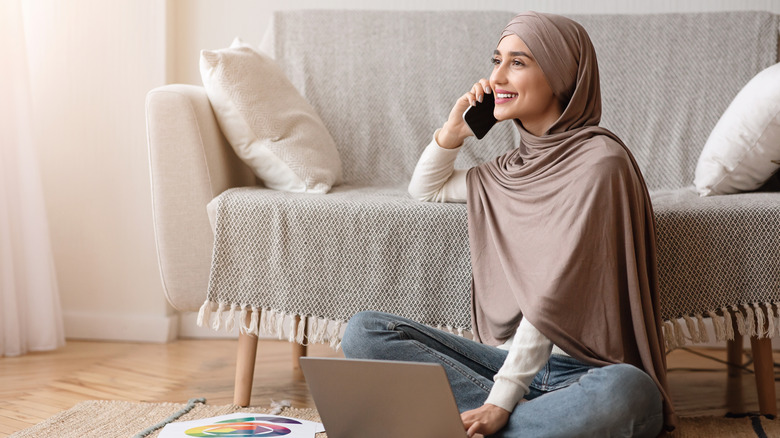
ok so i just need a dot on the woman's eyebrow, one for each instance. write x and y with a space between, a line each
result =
496 52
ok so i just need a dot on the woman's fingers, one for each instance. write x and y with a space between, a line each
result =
485 85
479 90
474 429
471 97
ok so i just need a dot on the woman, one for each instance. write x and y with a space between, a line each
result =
565 307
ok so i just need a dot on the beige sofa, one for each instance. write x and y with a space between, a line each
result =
297 266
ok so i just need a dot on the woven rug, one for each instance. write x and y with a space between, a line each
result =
110 419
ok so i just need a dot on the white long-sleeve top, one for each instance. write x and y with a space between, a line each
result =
435 179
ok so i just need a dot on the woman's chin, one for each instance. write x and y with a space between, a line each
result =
503 115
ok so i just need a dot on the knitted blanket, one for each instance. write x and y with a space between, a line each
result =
324 258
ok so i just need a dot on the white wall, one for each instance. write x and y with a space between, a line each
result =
92 63
212 24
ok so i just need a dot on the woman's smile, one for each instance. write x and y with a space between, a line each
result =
503 96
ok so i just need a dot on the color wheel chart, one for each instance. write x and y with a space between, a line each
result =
244 427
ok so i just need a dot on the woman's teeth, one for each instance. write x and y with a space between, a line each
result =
505 96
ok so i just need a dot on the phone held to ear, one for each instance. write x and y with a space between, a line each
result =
480 117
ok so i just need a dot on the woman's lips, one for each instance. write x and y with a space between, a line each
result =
503 96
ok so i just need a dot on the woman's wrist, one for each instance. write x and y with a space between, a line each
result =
447 139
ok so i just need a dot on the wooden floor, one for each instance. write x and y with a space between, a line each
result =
37 386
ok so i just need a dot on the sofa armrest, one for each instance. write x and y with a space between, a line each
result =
190 163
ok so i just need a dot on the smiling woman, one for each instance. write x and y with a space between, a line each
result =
565 305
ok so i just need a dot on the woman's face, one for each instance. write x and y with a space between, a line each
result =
521 89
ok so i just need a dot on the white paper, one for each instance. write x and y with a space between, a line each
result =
243 425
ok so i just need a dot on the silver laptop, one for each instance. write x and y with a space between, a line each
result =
382 399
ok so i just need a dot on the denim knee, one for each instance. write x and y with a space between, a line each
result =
633 399
355 343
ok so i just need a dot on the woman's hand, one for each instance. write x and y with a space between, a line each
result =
455 130
486 419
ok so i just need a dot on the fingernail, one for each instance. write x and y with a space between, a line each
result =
487 90
479 98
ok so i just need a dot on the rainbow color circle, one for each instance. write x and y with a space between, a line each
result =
244 427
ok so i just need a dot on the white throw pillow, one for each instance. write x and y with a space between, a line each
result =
272 128
743 150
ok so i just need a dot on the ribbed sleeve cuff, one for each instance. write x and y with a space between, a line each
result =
506 394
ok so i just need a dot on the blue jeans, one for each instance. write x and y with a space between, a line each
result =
567 398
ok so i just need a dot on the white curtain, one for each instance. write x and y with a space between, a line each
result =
30 314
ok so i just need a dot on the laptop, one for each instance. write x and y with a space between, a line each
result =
382 399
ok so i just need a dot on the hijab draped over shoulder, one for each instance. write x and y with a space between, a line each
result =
561 229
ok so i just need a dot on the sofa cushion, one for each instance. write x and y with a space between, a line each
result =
743 150
361 248
267 122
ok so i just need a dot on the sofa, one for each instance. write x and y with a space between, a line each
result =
298 265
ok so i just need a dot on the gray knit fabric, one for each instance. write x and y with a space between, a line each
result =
354 249
384 81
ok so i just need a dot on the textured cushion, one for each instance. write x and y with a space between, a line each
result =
272 128
743 150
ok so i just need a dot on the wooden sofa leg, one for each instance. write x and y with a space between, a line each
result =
245 369
735 403
765 375
298 350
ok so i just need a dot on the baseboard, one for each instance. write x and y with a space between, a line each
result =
120 327
188 328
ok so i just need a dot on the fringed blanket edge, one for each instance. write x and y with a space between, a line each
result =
747 319
295 327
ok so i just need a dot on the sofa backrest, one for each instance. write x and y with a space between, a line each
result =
384 81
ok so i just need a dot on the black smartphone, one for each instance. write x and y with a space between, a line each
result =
480 117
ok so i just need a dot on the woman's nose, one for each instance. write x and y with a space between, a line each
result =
498 76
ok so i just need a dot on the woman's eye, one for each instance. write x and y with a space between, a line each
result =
517 63
495 61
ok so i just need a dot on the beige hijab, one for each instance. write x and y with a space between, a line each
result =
562 229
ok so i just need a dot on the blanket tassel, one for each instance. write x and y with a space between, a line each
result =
204 314
694 333
750 320
231 319
335 335
243 326
217 321
760 321
703 335
728 322
254 324
718 325
299 336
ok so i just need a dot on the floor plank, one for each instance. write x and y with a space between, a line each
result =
38 385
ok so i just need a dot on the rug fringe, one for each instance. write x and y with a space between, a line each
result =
173 417
747 319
